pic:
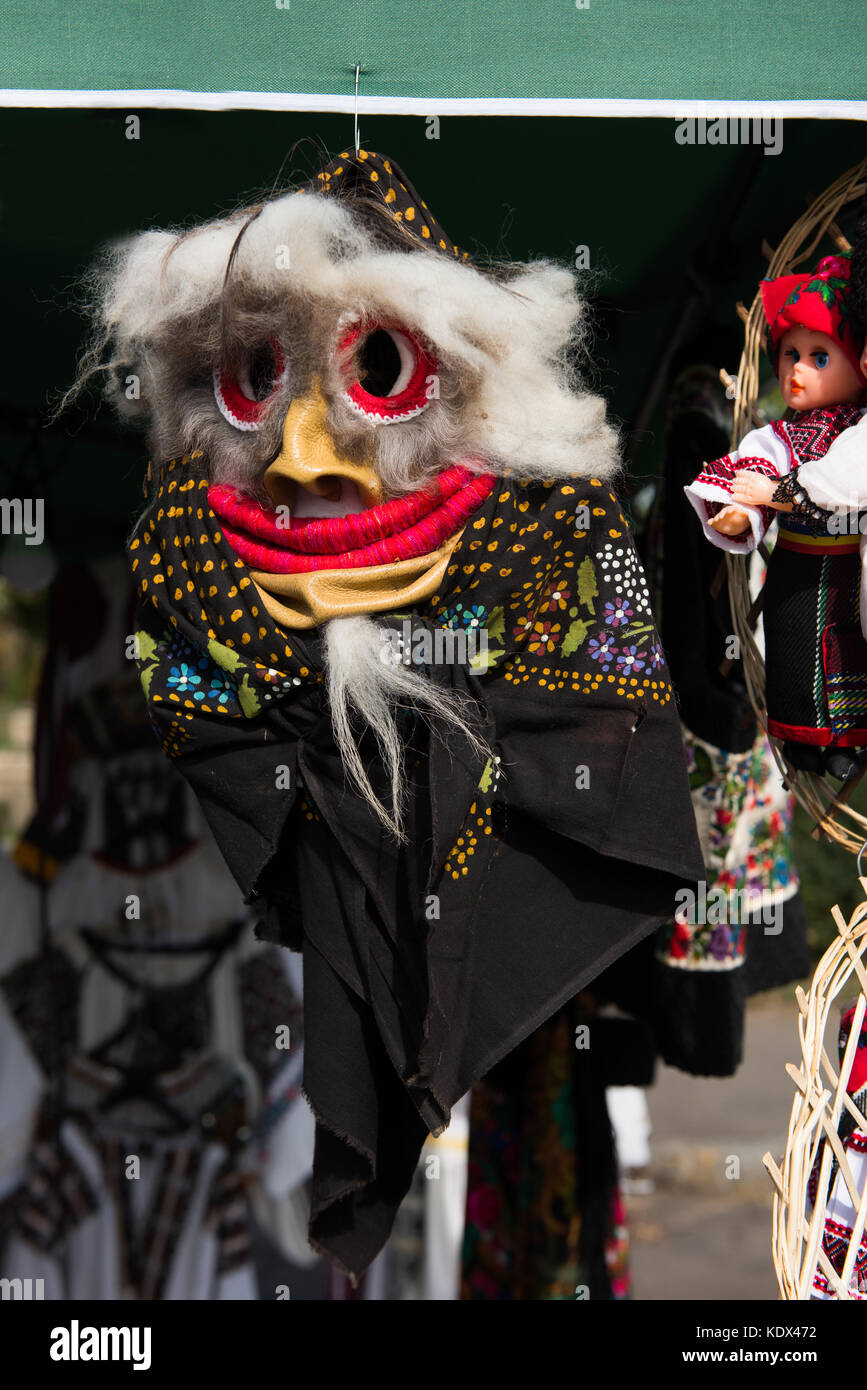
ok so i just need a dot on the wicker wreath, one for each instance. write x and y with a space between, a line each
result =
825 801
819 1103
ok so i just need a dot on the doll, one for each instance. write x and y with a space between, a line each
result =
815 654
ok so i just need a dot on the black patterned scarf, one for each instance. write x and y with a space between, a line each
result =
523 876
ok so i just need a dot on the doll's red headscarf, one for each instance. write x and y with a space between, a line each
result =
858 1074
819 300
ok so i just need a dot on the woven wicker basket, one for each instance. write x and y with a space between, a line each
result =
819 1102
825 801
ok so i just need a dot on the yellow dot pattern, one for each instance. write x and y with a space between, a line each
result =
193 586
476 826
384 182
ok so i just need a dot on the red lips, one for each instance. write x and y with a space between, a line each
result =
401 529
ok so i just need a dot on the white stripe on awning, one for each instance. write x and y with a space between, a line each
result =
428 106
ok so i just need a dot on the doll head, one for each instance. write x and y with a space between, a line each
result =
818 355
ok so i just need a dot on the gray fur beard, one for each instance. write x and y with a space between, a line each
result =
360 681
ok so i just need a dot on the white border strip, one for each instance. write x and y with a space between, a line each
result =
172 98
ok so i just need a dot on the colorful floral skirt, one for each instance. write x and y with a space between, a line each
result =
544 1216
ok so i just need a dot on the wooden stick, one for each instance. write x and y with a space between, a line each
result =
838 238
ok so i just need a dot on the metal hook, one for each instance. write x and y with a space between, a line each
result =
860 854
357 137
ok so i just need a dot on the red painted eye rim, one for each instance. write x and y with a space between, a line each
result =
240 411
412 400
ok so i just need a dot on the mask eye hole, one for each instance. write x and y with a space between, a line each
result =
385 363
244 389
389 372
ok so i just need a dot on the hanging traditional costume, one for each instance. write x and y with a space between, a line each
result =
139 1017
707 970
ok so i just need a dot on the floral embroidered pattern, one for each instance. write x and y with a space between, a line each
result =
535 1229
744 819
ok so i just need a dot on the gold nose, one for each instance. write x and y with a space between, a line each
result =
308 456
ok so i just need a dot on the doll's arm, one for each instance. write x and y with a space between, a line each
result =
754 488
790 496
837 482
728 522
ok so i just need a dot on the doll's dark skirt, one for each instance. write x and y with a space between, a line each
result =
815 655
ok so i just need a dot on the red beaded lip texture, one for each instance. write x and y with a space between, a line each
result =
401 529
388 383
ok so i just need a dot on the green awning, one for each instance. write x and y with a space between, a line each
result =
440 57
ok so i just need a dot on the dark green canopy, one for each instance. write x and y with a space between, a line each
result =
671 231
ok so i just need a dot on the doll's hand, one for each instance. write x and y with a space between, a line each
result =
731 521
753 488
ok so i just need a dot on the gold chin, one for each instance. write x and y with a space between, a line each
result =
306 600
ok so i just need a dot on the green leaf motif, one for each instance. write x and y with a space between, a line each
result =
703 771
575 637
483 661
146 676
587 587
224 657
248 699
145 645
496 626
485 779
639 632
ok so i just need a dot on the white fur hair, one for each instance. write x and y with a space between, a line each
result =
505 344
359 680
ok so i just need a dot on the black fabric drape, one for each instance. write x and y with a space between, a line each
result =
426 962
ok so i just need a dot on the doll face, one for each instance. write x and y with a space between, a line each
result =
814 371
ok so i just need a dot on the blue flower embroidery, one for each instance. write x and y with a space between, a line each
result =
602 648
473 615
617 614
196 675
182 678
629 660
